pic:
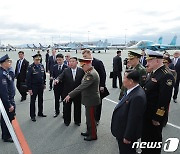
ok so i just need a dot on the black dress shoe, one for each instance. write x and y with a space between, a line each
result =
85 134
77 123
97 123
66 123
89 138
8 140
23 99
42 115
33 119
175 100
55 115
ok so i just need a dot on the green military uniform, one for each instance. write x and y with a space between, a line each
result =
139 68
142 72
90 97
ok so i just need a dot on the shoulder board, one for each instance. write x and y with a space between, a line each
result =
165 71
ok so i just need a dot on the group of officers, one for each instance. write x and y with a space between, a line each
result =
72 84
144 100
140 113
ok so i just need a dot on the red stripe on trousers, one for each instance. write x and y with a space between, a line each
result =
92 122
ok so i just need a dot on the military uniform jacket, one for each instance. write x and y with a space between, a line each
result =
89 89
143 74
36 76
158 89
5 88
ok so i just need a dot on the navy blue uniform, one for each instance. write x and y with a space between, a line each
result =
36 81
158 88
7 92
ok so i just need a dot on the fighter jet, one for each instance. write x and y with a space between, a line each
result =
146 44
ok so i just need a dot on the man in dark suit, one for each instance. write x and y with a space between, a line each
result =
142 60
52 62
127 118
67 58
99 67
20 74
47 60
176 63
58 88
117 69
71 78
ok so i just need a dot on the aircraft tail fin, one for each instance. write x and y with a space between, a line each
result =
173 42
34 46
160 40
40 45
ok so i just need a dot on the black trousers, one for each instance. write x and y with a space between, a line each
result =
77 110
176 88
5 131
37 91
115 76
126 148
98 110
90 121
151 133
50 83
47 66
57 95
18 85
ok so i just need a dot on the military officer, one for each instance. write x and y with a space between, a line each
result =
90 97
158 88
7 92
36 82
133 62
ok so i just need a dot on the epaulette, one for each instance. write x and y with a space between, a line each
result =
165 71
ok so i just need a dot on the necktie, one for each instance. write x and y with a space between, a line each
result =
59 67
74 74
120 102
19 66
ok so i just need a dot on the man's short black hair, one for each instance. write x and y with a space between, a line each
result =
74 58
119 51
21 52
133 75
59 55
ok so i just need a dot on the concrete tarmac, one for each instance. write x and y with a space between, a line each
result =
50 136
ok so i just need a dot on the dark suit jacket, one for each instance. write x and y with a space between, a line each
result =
99 67
21 77
117 64
56 73
177 68
66 78
47 58
51 64
143 61
127 118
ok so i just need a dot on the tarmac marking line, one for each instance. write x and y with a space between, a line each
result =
170 124
21 138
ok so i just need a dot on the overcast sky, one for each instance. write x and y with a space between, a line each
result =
47 21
